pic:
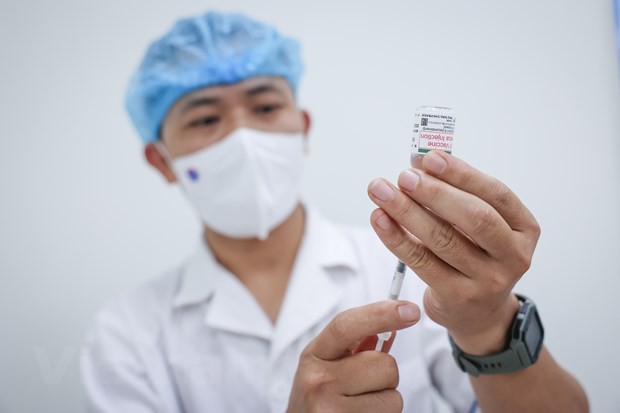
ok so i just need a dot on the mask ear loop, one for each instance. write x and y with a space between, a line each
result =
163 151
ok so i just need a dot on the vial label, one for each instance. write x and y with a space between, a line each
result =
433 129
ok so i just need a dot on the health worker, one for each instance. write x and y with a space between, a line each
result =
279 308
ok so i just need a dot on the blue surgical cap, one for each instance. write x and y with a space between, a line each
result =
212 49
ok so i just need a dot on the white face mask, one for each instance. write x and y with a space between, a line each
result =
246 184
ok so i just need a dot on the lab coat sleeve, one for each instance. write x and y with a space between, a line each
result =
114 374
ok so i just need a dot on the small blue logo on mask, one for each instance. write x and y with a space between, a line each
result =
192 174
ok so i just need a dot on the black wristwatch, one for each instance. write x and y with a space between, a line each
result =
526 339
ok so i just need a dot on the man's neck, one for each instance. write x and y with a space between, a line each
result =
264 267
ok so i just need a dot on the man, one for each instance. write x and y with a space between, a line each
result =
272 314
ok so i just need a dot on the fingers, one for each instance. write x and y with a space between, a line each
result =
476 218
439 235
366 372
334 373
339 383
463 176
344 333
385 401
410 250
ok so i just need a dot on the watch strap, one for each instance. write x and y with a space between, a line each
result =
516 357
507 361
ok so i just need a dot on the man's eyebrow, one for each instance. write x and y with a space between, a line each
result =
200 101
257 90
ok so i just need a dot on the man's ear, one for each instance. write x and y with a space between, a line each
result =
154 157
307 120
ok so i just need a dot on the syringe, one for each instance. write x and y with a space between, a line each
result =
433 129
395 287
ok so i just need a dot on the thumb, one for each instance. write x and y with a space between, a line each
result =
345 332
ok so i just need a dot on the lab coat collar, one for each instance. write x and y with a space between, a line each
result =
328 243
313 291
199 277
310 295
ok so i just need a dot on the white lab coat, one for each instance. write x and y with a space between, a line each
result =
195 340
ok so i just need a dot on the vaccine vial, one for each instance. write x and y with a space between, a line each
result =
433 129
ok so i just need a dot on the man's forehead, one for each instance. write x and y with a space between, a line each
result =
243 88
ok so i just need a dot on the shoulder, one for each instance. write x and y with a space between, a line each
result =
122 357
134 317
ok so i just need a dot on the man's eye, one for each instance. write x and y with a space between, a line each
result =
206 121
264 109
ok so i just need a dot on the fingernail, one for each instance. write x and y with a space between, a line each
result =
381 190
435 163
384 222
409 312
408 180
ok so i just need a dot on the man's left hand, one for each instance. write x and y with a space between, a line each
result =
468 236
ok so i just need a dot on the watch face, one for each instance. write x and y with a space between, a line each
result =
533 336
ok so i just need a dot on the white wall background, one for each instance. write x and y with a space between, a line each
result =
82 217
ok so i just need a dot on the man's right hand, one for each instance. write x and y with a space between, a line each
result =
336 373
